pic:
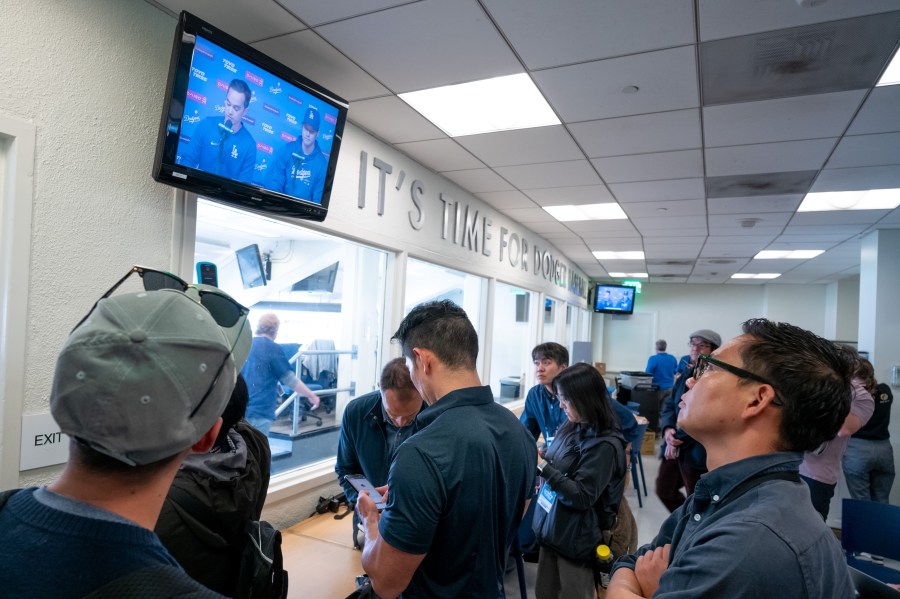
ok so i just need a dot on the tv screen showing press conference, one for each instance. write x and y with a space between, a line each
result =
614 299
243 123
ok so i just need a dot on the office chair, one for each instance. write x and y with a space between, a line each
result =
871 529
637 463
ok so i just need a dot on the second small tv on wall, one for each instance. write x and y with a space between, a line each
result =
241 128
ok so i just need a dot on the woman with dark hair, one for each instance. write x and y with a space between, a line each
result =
584 476
869 460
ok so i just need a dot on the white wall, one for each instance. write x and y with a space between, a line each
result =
681 309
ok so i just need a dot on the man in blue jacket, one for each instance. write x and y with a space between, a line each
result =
374 425
300 167
222 145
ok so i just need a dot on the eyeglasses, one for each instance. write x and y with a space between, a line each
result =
699 344
703 362
224 310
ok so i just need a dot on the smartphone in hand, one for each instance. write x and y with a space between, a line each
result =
361 483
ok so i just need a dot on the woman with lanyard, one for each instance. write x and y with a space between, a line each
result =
584 473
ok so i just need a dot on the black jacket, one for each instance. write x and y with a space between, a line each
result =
233 487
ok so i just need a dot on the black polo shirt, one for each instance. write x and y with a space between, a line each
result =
457 491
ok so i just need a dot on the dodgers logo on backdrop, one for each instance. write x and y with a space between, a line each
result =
220 108
275 89
194 118
261 166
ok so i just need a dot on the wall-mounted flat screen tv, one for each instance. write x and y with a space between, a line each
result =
241 128
250 265
613 299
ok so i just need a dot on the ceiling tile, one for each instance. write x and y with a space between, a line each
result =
850 179
785 119
440 155
550 174
425 44
681 164
526 215
666 80
560 196
803 155
867 150
600 226
761 219
731 18
846 230
547 34
674 221
665 208
668 279
266 19
879 112
654 191
779 203
784 183
479 180
642 134
522 146
330 69
671 251
392 120
503 200
810 59
316 12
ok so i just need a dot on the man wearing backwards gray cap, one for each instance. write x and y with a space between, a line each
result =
683 459
139 384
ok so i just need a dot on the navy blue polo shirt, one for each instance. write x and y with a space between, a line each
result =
457 492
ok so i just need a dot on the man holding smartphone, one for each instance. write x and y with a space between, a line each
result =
459 486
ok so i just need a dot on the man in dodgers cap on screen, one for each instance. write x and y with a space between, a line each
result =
300 166
138 385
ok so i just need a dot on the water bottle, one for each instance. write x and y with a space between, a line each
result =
604 561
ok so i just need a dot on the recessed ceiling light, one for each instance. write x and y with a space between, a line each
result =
762 275
873 199
891 73
626 275
609 211
498 104
605 255
787 254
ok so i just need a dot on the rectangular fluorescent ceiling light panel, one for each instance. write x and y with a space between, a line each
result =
486 106
892 73
762 275
872 199
609 211
618 255
625 275
787 254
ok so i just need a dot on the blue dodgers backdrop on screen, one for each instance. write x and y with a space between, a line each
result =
614 298
274 118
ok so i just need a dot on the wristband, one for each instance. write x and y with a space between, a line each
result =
541 465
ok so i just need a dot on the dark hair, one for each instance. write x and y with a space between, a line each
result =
584 387
234 411
443 328
865 372
810 374
395 375
240 86
551 351
98 462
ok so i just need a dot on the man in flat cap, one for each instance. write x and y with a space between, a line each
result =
140 383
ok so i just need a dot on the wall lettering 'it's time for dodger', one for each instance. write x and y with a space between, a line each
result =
464 225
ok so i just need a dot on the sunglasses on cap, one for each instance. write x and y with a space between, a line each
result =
224 310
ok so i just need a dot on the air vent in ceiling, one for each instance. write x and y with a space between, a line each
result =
721 261
759 184
671 262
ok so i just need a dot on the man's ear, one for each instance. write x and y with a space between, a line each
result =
763 398
208 439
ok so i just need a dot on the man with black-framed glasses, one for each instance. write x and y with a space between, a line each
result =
749 529
140 383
